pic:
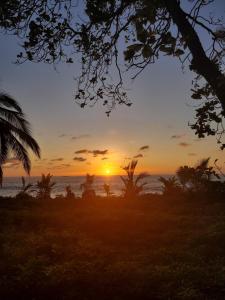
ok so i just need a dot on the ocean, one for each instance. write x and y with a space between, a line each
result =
12 185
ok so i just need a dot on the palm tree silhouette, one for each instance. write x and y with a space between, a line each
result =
15 134
132 186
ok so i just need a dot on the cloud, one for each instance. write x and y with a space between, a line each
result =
177 136
80 159
146 147
82 151
104 158
11 163
169 126
82 136
138 156
62 135
57 159
183 144
40 160
98 152
14 166
94 152
66 165
192 154
11 160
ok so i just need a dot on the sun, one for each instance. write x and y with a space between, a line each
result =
107 171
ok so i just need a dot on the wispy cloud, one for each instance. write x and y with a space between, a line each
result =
177 136
82 136
184 144
104 158
192 154
66 165
80 159
40 160
146 147
11 160
94 152
82 151
138 156
99 152
62 135
57 159
11 163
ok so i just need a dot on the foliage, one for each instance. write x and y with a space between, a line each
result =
107 190
53 31
184 174
87 187
197 178
71 250
15 134
25 189
69 192
170 186
44 187
132 186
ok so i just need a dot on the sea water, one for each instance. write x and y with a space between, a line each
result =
13 185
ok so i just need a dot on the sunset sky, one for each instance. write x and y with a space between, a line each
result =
158 119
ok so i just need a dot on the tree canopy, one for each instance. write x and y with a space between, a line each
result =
97 32
15 135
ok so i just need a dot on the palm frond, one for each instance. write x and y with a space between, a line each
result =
15 133
141 176
1 176
20 153
27 187
133 165
203 164
23 182
23 134
8 101
4 147
15 118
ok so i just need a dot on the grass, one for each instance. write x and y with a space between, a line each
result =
151 248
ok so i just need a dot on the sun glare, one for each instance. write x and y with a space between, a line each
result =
107 171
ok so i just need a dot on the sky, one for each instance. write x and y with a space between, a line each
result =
76 141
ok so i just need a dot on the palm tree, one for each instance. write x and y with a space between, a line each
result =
170 185
25 189
132 188
45 186
107 190
15 134
87 187
197 178
185 175
69 193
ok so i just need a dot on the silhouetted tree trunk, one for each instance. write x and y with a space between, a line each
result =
200 62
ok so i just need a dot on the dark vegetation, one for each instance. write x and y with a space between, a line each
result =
148 246
153 247
15 134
